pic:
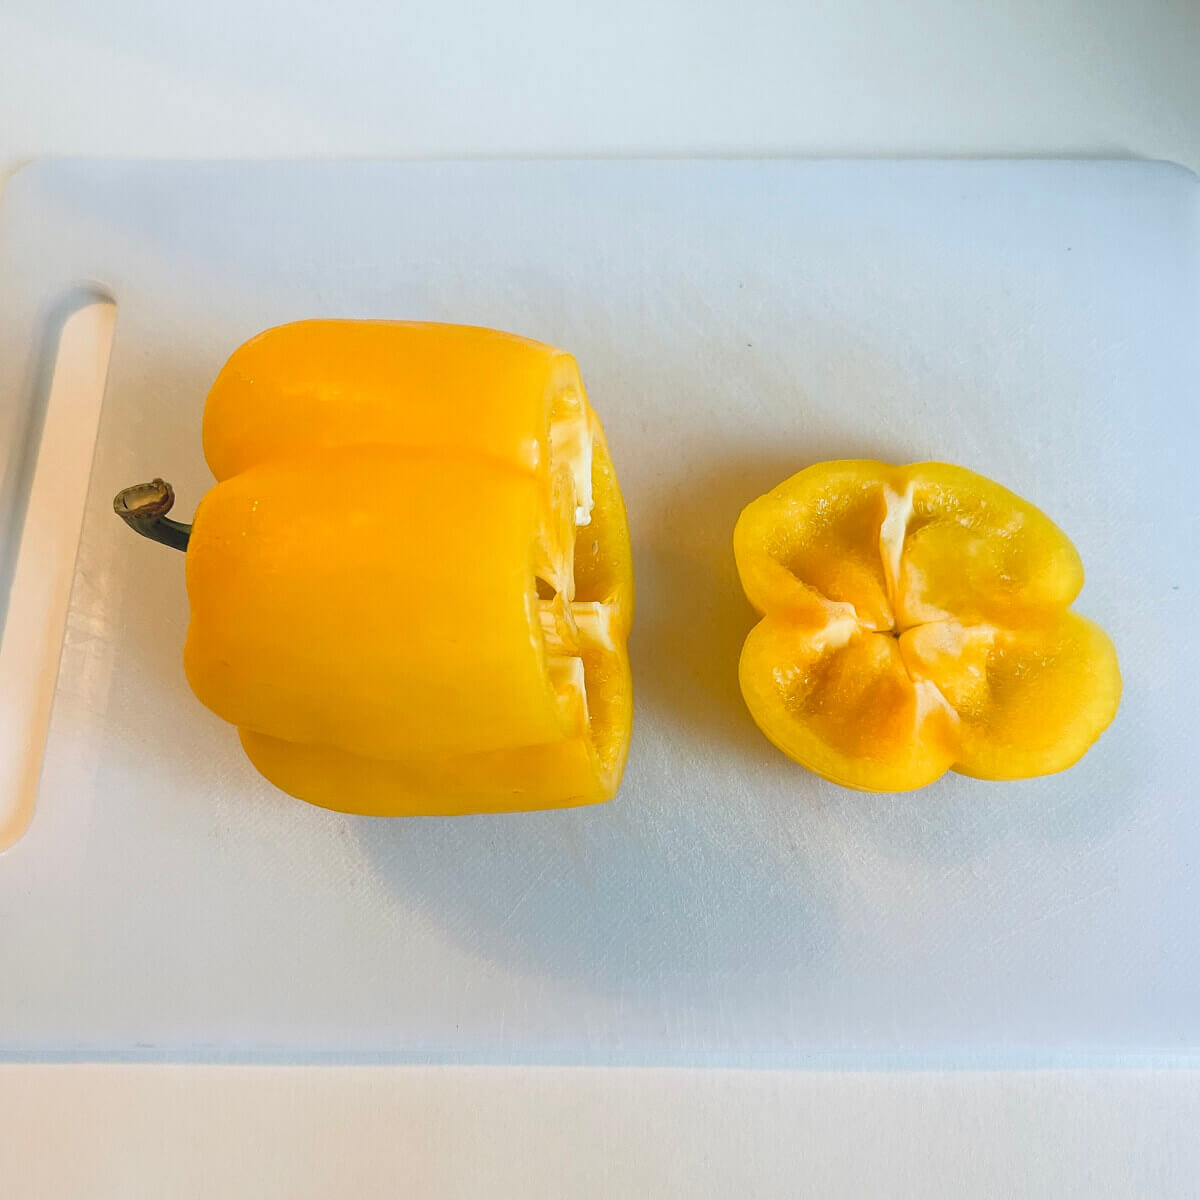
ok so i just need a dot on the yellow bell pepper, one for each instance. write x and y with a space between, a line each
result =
412 585
917 620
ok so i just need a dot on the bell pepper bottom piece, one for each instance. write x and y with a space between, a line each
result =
916 620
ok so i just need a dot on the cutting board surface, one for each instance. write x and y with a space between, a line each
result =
734 322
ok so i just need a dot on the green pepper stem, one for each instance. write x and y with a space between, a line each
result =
144 508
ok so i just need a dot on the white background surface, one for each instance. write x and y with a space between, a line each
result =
746 317
169 79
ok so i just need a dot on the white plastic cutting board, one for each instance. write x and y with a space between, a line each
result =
734 321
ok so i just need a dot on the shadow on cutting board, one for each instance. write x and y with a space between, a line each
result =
669 882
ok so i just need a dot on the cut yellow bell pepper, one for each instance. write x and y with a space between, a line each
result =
917 620
412 585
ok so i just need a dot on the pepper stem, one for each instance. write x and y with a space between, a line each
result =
144 508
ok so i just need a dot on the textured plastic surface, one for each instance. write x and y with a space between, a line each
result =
734 321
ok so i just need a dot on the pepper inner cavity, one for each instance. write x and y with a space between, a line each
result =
569 628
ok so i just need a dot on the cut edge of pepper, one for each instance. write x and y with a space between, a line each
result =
574 633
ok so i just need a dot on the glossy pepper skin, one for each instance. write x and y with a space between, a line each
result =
411 587
917 620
